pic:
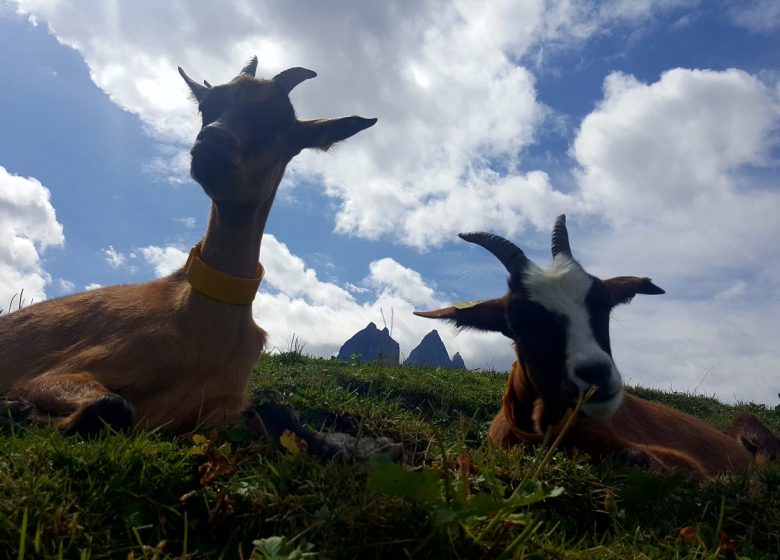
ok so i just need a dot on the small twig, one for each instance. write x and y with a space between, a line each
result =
557 441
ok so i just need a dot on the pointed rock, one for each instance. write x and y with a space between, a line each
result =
457 361
430 352
371 345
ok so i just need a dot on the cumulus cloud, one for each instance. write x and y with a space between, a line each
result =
447 80
65 286
165 260
665 165
28 226
287 273
395 280
667 168
758 16
188 222
113 257
727 350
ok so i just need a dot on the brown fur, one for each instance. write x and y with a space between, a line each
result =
164 354
640 432
179 358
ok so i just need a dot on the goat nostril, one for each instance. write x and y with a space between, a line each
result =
218 136
596 374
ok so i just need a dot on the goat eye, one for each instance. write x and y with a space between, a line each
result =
208 114
531 321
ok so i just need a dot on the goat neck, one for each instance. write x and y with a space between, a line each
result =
525 408
233 236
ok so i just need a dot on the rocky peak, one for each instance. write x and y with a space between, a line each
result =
430 352
371 345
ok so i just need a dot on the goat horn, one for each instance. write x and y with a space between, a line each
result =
196 89
250 68
560 238
510 255
291 77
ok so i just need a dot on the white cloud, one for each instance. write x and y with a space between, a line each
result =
65 286
288 274
188 222
28 226
92 286
395 280
737 290
663 164
114 258
726 349
667 167
443 78
165 260
759 16
352 288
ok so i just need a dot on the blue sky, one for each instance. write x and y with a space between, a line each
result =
652 125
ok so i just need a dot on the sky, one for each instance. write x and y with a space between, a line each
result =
653 125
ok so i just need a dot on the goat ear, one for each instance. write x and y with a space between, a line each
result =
322 134
198 91
487 315
624 288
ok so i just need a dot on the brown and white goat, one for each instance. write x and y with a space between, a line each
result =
176 352
559 322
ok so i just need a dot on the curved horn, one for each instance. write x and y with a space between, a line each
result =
291 77
510 255
196 89
250 68
560 238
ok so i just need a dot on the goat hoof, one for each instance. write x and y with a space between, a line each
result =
274 419
109 410
271 419
15 411
338 445
635 458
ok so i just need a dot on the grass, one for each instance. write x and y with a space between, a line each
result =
153 496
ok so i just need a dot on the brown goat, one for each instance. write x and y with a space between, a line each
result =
176 352
559 322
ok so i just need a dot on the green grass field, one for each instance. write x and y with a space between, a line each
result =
154 496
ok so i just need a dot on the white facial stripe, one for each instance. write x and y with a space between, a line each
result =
604 409
562 290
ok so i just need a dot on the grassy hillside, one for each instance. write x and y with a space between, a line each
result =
153 496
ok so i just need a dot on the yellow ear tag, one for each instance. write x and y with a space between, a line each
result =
465 304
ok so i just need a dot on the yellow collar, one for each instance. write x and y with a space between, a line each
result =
218 285
532 438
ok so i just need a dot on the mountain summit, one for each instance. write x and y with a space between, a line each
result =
371 345
430 352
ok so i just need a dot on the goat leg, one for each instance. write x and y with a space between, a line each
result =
75 403
661 459
759 440
15 411
273 420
